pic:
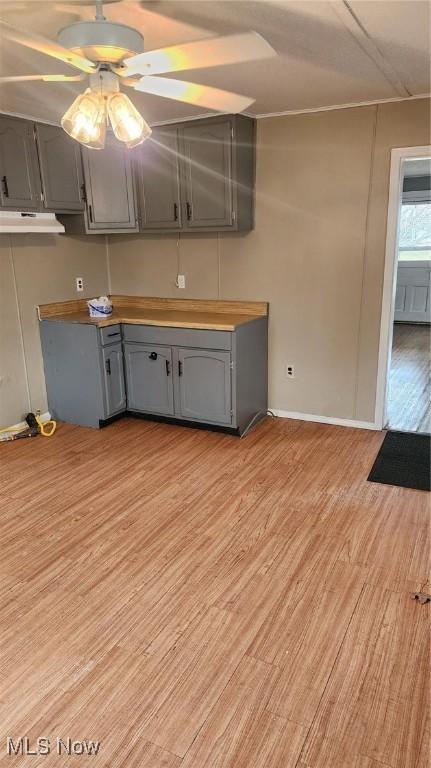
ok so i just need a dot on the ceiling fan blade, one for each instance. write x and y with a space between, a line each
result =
211 52
50 48
45 78
131 81
192 93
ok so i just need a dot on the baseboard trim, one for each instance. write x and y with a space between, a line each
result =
23 424
325 419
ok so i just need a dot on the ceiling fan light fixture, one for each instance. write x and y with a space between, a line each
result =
85 120
102 40
127 123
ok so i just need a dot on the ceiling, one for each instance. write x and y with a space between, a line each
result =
329 53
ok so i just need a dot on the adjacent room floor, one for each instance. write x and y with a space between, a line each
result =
409 393
192 600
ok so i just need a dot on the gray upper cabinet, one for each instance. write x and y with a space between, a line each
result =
204 385
191 177
218 174
198 176
158 181
115 391
19 173
149 378
110 190
207 175
61 169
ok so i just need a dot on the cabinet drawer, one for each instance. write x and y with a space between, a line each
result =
110 334
178 337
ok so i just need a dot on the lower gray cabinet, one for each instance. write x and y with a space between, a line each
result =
149 378
204 385
115 391
200 376
84 380
187 383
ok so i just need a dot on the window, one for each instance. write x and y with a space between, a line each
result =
415 232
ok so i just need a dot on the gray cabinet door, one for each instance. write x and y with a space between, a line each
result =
149 378
204 385
61 169
207 185
110 190
158 181
115 391
19 171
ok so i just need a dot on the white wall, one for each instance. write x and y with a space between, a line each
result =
35 269
316 254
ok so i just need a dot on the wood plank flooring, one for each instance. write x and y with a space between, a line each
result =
409 394
192 600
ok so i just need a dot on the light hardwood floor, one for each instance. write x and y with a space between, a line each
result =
193 600
409 395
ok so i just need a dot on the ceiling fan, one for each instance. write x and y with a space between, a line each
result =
110 54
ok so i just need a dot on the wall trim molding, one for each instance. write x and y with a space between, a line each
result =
325 419
259 116
334 107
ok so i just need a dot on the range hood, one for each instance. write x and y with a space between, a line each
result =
15 221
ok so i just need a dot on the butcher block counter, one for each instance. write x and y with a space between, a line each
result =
195 362
174 313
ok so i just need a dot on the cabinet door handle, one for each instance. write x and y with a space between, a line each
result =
180 368
5 186
168 368
108 367
175 212
90 213
117 333
83 194
153 356
189 211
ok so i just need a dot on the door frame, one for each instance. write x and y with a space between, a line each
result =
390 275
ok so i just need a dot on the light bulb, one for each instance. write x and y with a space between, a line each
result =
85 120
128 125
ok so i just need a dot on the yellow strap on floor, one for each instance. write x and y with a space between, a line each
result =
47 428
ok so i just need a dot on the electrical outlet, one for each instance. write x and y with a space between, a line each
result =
290 371
181 281
79 284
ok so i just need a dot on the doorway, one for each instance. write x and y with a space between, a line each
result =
404 382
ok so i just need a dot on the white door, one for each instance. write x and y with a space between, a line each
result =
412 299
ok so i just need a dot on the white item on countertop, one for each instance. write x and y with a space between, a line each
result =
101 307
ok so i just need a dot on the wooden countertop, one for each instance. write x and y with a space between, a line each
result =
174 319
175 313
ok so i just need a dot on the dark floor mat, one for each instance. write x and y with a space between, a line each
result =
404 459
